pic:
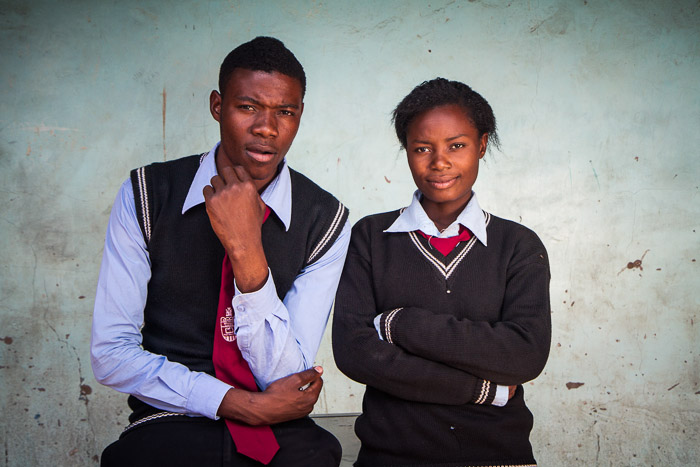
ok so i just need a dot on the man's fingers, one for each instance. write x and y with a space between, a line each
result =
217 182
208 192
234 174
241 173
308 377
229 175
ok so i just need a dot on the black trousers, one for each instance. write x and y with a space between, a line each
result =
207 443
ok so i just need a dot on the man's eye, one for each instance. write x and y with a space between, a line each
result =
246 107
287 113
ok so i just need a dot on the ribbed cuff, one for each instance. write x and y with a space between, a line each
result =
485 392
385 324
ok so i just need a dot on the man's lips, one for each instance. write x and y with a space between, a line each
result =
442 183
261 152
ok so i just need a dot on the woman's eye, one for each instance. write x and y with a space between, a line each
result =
422 149
458 146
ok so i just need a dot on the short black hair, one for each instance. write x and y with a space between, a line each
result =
439 92
262 54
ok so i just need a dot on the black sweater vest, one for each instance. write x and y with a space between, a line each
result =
186 256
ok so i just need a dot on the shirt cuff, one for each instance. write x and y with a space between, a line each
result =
501 398
378 326
206 396
245 305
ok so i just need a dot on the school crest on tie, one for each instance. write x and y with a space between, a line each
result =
227 331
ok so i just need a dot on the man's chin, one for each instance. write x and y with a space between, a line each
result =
262 178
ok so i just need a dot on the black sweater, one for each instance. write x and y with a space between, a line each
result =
453 328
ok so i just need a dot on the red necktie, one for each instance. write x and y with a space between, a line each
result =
446 245
256 442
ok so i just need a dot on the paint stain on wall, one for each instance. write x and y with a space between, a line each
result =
636 264
7 340
387 180
570 385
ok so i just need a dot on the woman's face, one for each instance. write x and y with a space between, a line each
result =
444 148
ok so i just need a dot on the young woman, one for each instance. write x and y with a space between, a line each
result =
443 309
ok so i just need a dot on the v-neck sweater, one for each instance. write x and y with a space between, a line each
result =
452 327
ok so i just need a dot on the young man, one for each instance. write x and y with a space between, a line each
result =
220 370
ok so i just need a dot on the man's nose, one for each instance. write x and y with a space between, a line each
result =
265 124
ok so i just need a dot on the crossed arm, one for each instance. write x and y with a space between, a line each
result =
424 357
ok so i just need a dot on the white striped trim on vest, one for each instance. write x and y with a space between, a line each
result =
450 268
141 176
335 225
155 416
508 465
143 191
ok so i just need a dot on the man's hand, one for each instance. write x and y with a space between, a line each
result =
511 391
236 214
283 400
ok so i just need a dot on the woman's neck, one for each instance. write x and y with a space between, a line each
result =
442 214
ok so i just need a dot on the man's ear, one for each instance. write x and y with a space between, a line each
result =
215 105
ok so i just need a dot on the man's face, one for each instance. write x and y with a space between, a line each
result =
258 115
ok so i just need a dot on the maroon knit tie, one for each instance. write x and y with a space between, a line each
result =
446 245
256 442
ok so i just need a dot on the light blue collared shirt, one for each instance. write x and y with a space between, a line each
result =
414 218
277 338
472 217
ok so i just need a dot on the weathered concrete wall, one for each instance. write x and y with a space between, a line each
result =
599 110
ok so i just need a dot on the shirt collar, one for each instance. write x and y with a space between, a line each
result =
414 218
277 195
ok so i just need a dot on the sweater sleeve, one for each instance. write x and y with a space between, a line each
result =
362 356
510 351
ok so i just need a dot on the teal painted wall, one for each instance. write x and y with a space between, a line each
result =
599 110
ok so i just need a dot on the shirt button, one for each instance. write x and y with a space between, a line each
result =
241 308
449 291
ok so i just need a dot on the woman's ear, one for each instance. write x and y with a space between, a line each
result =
483 144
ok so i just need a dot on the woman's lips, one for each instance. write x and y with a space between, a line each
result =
442 183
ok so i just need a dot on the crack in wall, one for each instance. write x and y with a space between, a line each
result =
42 303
